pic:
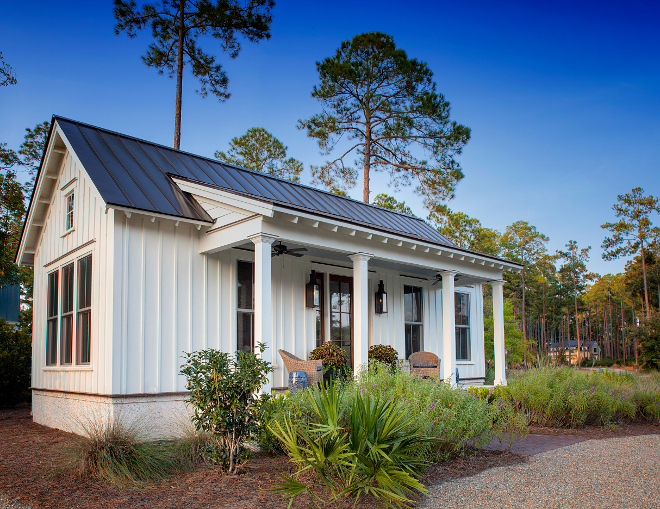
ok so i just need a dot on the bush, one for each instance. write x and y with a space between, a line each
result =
15 359
565 397
365 447
384 354
226 400
114 452
648 336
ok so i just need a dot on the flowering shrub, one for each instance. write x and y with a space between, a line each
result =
333 356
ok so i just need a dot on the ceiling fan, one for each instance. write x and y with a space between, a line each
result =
281 249
438 278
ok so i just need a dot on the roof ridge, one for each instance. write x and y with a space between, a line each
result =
217 161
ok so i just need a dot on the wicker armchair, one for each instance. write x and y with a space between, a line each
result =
314 369
425 364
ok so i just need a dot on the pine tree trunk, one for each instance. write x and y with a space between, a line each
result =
179 81
367 161
646 290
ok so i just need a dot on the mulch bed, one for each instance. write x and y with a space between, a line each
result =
28 452
635 428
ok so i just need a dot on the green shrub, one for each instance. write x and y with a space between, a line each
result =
648 336
15 361
384 354
224 392
367 447
116 453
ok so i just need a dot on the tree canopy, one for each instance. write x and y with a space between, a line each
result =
465 231
7 76
177 25
389 202
385 107
258 150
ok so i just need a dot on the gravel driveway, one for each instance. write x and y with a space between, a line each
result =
617 472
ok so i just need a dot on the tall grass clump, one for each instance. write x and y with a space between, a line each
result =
566 397
117 453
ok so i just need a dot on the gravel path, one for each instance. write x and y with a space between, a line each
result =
613 473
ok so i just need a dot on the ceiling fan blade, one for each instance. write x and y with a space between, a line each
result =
297 249
436 282
294 254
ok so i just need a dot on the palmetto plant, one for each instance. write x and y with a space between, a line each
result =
367 448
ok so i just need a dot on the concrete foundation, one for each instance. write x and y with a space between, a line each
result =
154 416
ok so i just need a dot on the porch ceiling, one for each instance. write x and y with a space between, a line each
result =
338 259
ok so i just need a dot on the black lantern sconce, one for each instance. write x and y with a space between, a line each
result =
381 299
313 291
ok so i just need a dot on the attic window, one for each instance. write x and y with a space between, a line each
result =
69 212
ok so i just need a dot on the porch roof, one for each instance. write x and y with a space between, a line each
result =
134 173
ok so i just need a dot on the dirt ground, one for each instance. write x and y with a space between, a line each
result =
28 453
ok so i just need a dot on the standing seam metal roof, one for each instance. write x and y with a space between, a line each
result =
134 173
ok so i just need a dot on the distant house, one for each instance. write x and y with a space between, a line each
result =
10 303
142 253
567 350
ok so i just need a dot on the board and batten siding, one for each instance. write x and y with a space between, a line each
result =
169 299
92 234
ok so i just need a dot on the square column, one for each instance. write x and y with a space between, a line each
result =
263 323
448 359
498 332
360 309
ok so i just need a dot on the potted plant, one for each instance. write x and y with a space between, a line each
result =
334 359
384 354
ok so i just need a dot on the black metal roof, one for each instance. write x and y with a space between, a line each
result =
133 173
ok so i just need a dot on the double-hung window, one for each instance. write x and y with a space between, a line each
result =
245 318
68 217
412 303
68 314
462 317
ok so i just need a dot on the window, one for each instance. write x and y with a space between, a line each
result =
462 317
51 327
69 212
412 303
318 312
245 333
66 316
69 311
84 310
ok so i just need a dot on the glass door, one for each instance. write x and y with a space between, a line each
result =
341 313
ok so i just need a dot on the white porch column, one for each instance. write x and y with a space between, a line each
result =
498 331
360 309
448 360
263 324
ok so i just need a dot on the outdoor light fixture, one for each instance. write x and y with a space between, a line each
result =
313 291
381 299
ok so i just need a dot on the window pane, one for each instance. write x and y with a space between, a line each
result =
462 308
412 302
83 337
66 340
245 332
463 343
67 288
318 312
85 282
51 342
413 339
69 212
245 285
52 294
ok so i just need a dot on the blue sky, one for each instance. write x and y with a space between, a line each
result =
563 98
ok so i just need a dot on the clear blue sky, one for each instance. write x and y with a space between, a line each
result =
563 98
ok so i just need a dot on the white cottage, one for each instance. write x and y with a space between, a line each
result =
142 252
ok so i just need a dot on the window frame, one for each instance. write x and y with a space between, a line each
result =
84 311
71 316
67 316
468 327
69 222
417 324
244 311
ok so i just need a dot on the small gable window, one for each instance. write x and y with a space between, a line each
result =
68 220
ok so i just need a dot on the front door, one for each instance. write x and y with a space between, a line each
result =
341 313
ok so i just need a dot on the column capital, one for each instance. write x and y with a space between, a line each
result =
360 257
266 238
448 273
497 282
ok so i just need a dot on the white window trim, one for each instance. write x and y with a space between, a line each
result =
422 324
469 361
66 212
74 366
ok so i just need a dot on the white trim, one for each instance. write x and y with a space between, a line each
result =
129 211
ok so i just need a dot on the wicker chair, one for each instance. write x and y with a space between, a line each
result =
425 364
313 369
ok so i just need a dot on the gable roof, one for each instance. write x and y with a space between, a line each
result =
134 173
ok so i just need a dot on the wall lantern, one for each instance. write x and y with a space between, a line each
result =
381 299
313 291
